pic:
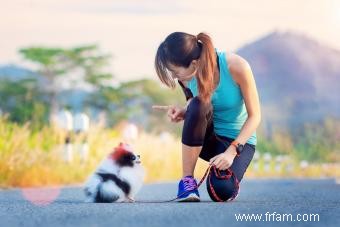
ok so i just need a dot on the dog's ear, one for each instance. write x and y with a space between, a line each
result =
118 152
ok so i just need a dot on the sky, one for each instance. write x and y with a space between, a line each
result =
131 30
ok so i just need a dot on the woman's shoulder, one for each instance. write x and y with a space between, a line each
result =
235 61
236 64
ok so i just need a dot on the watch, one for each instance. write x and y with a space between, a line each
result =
239 147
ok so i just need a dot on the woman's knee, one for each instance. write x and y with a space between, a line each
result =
196 121
197 108
222 190
241 163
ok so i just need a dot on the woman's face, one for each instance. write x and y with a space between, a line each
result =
182 73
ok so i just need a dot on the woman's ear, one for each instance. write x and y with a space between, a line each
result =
194 64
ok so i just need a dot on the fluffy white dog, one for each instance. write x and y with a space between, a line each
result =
118 178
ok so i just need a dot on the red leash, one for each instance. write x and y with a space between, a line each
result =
226 177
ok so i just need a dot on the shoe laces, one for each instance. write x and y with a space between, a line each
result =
189 183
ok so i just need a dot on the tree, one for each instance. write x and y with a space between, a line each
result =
51 62
92 62
54 62
23 101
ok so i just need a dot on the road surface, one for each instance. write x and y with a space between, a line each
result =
313 202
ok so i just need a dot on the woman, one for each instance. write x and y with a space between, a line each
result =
225 103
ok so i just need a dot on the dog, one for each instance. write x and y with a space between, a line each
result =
118 178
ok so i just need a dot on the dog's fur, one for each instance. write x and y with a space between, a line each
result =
117 179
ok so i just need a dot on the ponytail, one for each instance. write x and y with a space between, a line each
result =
206 70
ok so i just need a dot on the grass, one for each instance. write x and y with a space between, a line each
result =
35 158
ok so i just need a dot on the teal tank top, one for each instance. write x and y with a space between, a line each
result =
229 110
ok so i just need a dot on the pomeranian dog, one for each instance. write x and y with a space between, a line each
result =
118 178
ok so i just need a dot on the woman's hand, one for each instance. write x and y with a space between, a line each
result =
175 114
225 160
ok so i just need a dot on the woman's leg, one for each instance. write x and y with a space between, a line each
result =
241 163
189 159
197 119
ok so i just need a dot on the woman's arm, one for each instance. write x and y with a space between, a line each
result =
242 74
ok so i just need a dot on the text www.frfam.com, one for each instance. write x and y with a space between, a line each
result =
277 217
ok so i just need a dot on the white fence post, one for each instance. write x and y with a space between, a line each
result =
130 133
267 160
256 158
81 126
65 121
278 163
304 164
289 163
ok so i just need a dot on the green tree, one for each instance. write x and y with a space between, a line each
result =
92 62
54 62
23 101
51 62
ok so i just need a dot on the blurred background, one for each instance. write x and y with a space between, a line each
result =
77 77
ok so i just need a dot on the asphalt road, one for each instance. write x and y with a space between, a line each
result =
298 198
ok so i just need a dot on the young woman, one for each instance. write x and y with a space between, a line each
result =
224 103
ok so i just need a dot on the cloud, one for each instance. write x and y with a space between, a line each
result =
109 6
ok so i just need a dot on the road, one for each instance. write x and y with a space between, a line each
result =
296 197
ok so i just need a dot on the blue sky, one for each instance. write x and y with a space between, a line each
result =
131 30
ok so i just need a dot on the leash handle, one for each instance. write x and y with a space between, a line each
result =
237 186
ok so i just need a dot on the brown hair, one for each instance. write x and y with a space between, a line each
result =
180 49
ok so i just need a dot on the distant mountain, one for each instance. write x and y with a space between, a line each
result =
15 73
298 78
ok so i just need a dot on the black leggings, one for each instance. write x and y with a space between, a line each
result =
198 130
